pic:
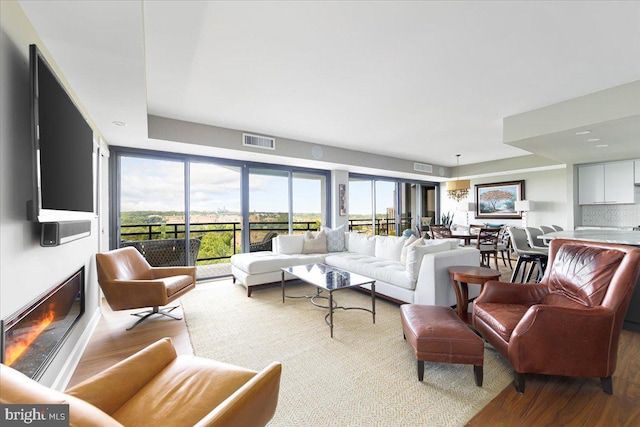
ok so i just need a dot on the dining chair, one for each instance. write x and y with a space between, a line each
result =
504 247
440 232
527 256
546 229
558 228
533 238
487 244
474 229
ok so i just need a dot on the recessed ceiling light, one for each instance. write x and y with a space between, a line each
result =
119 123
583 132
593 139
602 145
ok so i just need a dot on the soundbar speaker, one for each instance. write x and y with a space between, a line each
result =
61 232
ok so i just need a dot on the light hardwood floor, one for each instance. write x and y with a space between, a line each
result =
547 401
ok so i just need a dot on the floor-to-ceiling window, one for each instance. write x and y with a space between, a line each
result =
309 201
381 205
386 206
152 207
215 216
268 206
179 209
360 205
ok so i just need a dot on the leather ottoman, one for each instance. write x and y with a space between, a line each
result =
437 334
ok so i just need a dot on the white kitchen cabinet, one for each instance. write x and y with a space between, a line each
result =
606 183
637 174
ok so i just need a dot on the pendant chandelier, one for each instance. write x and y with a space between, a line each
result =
458 189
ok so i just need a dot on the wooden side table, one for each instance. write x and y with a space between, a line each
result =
461 276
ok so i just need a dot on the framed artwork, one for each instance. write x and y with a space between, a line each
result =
497 200
342 199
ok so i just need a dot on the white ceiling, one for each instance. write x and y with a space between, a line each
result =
416 80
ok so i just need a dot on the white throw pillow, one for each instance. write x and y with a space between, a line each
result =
288 244
335 239
361 243
389 247
415 255
410 242
315 243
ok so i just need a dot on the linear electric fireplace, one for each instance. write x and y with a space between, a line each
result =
34 334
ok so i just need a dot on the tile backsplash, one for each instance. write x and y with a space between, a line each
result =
613 215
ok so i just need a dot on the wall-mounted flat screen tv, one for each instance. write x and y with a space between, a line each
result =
63 149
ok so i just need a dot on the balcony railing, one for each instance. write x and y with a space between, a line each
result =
130 232
258 231
382 225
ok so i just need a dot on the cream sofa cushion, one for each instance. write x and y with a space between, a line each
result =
389 247
361 243
415 253
411 241
314 243
377 268
288 244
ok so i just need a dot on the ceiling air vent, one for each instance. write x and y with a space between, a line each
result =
421 167
258 141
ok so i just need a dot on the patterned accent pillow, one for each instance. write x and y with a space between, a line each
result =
335 239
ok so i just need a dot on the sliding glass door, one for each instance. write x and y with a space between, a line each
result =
215 217
399 204
268 207
310 199
361 205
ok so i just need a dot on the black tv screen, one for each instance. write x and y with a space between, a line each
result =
63 148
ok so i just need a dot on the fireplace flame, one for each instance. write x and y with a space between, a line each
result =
22 343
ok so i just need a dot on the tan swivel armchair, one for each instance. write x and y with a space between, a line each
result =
128 281
156 387
569 323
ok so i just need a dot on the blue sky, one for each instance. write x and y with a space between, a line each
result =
150 184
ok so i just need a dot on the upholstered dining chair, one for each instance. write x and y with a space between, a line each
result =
527 256
533 238
557 228
128 281
546 229
568 324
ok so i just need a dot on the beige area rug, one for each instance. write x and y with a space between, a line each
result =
365 376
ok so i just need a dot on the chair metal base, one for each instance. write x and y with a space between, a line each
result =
144 315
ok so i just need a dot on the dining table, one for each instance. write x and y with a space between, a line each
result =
464 235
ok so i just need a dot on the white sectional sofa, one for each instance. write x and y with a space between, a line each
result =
405 270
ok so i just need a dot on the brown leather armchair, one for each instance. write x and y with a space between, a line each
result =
157 387
128 281
569 323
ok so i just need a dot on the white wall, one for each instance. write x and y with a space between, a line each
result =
546 188
27 269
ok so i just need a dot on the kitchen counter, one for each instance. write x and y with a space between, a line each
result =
622 237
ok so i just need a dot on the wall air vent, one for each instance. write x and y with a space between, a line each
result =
258 141
422 167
